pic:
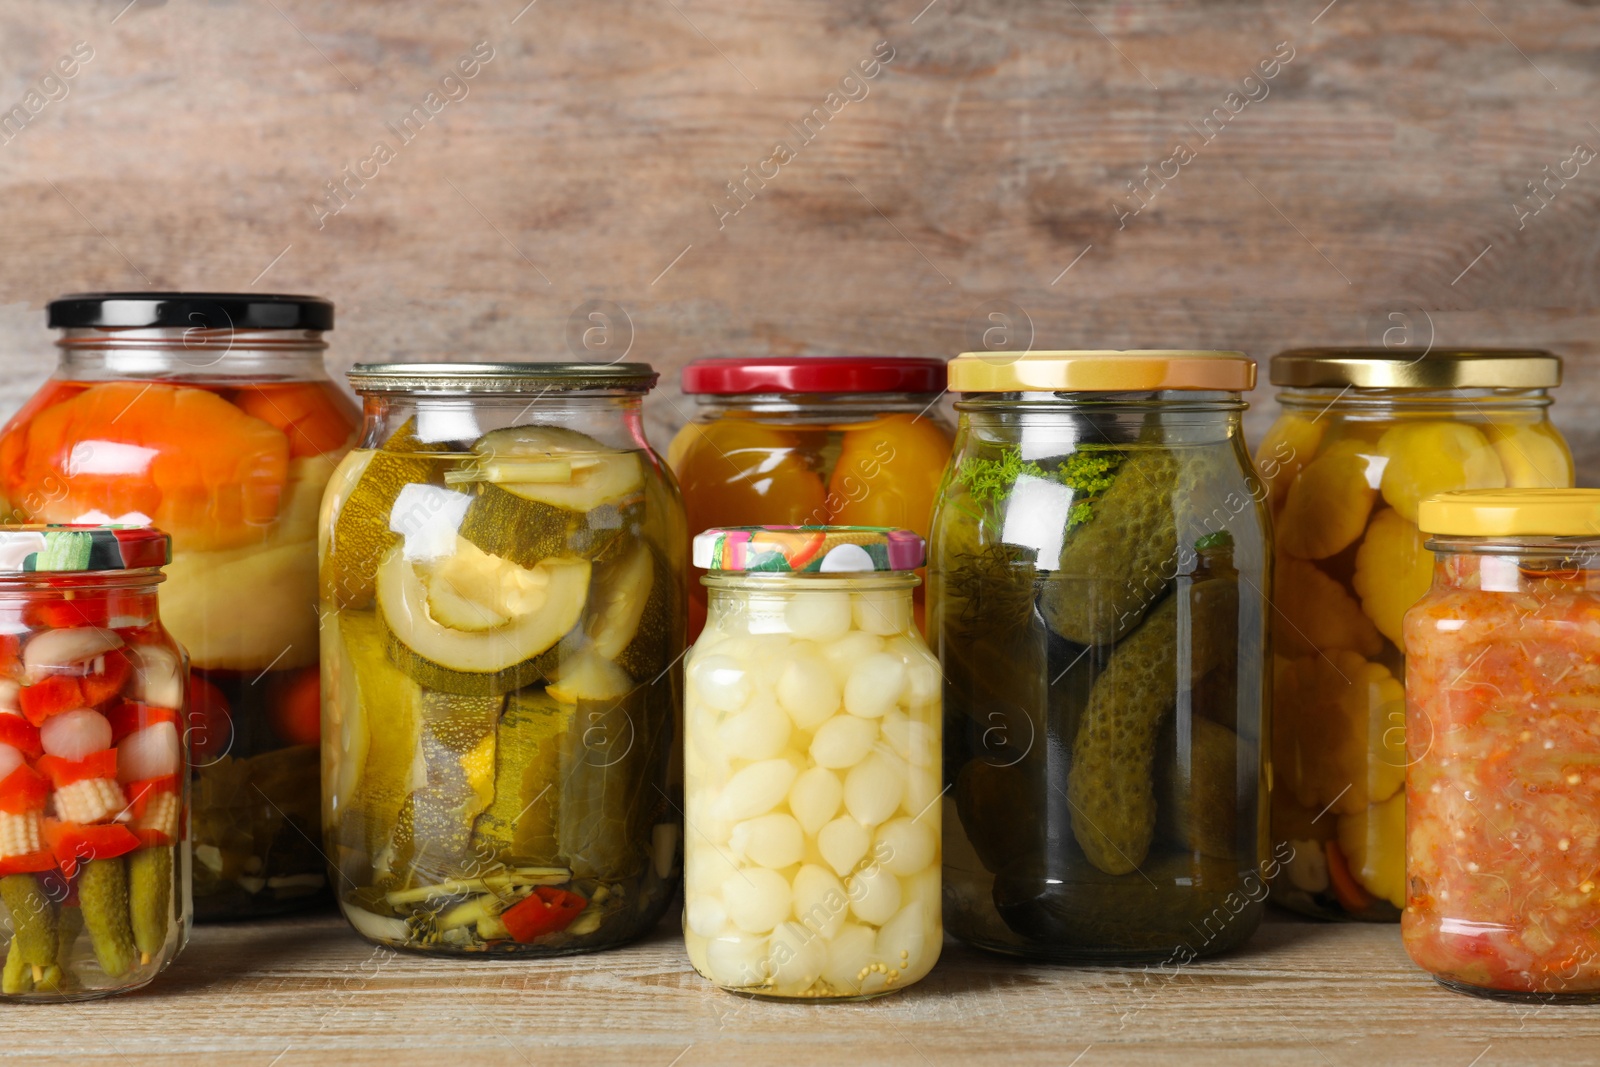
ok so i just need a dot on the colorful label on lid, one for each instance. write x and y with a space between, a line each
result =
808 549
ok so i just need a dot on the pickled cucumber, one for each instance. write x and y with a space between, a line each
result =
519 826
33 919
150 899
362 492
1198 790
17 977
1111 789
453 782
103 896
1114 566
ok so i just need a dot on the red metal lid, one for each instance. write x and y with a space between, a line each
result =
725 376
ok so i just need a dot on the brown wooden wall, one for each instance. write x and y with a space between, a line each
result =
1382 170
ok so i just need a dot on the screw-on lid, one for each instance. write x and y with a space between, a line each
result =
1512 513
1096 371
1399 368
808 549
205 311
530 377
732 376
35 548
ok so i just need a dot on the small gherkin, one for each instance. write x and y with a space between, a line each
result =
103 897
33 919
1111 788
150 899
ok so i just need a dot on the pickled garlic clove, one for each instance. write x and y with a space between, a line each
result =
757 899
754 790
75 735
843 741
719 682
774 841
55 651
905 846
820 903
153 752
10 760
843 843
819 616
759 732
10 697
157 678
796 957
876 684
807 691
874 895
874 787
815 797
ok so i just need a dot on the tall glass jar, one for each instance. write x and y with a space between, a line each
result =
1502 816
93 779
502 592
1098 590
210 415
812 766
1364 436
810 440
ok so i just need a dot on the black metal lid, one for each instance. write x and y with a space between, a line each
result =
209 311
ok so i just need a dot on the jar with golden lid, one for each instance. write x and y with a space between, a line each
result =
1366 435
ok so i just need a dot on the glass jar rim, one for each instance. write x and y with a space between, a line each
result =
501 378
810 582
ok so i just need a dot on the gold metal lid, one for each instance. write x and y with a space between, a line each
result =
1512 513
1439 368
530 377
1102 371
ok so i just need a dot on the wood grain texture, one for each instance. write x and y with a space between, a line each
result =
586 160
311 992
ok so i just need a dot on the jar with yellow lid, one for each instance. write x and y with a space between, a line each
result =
1365 436
1097 598
1503 778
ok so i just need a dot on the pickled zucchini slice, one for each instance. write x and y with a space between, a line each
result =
589 676
598 475
519 826
629 613
473 623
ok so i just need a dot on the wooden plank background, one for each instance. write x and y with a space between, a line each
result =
1381 174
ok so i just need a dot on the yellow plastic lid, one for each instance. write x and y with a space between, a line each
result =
1512 513
1101 371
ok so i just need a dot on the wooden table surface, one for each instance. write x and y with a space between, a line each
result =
306 991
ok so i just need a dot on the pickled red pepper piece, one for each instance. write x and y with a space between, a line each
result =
546 911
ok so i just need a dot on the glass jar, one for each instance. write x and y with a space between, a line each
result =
210 416
1502 811
93 782
809 441
811 868
1097 597
502 591
1364 436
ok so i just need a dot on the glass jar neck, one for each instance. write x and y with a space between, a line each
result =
1516 564
1348 399
1046 423
615 418
760 601
813 406
194 354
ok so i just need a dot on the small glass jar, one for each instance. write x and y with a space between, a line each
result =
1098 594
812 766
1502 813
502 591
1365 435
210 416
93 776
809 441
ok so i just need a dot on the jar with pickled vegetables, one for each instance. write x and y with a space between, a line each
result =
210 416
811 869
1097 598
1365 435
93 788
810 440
1502 810
502 590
